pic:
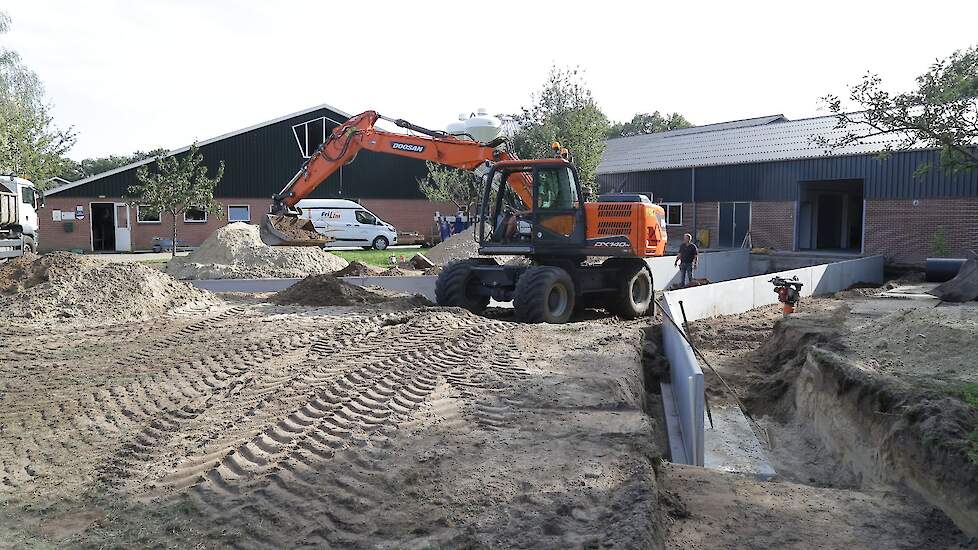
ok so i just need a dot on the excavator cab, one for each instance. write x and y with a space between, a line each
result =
553 224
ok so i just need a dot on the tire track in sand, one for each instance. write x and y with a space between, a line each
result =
298 468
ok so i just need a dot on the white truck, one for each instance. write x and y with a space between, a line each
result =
19 202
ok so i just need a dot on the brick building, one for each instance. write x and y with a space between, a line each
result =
91 214
765 177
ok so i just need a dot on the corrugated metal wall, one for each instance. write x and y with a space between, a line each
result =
890 178
260 162
668 185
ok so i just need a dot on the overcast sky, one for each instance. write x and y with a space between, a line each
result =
141 75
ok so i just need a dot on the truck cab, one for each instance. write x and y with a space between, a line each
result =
20 218
348 223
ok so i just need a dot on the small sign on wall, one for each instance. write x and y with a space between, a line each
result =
79 212
56 215
68 216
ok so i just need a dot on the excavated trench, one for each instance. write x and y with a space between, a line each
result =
830 420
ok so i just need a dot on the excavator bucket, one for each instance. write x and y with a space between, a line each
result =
290 230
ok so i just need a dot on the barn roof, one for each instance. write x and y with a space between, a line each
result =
761 139
324 106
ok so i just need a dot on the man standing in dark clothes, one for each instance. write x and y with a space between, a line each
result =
687 259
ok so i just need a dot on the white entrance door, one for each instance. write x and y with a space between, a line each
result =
123 228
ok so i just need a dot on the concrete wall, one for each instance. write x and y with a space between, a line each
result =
715 266
730 297
686 384
739 295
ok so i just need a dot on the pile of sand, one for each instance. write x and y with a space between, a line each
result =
236 252
456 247
328 290
358 269
65 285
462 246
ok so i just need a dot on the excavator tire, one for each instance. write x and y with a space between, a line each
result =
634 294
454 287
544 294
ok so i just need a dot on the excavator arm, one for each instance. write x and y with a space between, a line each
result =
358 133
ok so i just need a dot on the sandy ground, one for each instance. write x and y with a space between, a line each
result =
250 424
729 512
908 346
265 426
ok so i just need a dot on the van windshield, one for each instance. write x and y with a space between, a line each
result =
366 218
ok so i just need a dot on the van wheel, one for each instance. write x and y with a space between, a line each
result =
544 294
381 243
634 294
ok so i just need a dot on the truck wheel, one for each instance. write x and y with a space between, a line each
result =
457 286
380 243
544 294
29 245
634 294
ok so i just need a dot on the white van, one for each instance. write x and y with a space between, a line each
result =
349 223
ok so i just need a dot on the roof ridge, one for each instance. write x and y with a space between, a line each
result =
179 150
711 127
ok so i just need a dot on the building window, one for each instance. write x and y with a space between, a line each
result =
310 135
195 215
239 213
674 213
145 214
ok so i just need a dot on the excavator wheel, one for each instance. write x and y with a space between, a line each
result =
544 294
456 287
634 294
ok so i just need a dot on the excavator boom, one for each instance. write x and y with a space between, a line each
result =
284 227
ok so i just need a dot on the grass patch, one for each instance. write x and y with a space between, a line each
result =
969 392
377 258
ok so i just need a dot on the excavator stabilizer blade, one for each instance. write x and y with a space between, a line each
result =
289 230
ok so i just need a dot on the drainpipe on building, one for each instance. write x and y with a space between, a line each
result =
692 198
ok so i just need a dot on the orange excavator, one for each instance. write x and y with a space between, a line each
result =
581 254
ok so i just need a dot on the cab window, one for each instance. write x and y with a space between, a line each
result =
556 189
27 195
366 218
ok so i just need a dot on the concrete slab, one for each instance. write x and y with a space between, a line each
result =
423 284
244 285
912 292
731 446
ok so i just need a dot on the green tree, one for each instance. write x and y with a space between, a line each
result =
648 123
445 183
942 112
177 183
564 111
31 146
